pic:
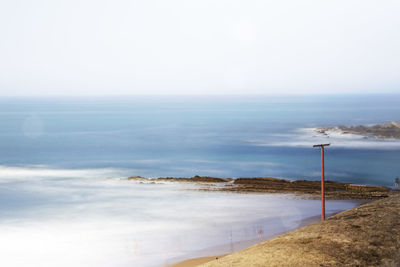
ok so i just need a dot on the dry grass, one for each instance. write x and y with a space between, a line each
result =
365 236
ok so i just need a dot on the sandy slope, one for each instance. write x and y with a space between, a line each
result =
365 236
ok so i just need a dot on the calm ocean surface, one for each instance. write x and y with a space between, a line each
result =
186 136
56 208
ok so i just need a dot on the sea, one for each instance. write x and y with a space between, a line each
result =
62 202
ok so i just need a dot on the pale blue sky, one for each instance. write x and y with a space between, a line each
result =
97 47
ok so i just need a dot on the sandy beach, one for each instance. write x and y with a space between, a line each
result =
368 235
302 189
207 255
197 261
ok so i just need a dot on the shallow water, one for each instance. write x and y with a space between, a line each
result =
81 221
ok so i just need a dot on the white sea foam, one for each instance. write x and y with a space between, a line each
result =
306 137
111 222
13 173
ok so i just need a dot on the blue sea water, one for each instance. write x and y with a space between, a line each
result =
183 136
56 208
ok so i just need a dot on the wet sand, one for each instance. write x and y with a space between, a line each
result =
196 261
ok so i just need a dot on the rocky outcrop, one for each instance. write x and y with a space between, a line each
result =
390 130
305 188
333 190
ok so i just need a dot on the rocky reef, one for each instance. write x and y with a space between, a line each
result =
303 188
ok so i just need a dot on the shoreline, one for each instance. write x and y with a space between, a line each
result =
197 261
303 189
217 252
367 235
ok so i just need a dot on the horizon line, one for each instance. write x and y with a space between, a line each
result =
200 95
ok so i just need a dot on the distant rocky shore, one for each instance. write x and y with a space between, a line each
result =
382 131
305 188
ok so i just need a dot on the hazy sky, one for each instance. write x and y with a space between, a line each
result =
85 47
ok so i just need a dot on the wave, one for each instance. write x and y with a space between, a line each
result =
44 172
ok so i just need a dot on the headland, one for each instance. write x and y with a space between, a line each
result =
380 131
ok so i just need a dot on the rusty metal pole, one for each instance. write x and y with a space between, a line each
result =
322 179
322 185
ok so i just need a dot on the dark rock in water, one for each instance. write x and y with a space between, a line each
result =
312 189
208 179
136 178
201 179
334 190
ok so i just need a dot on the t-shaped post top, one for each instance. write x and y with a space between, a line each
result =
321 145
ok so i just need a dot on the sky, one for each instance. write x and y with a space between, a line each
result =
159 47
